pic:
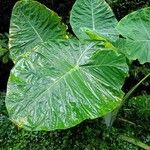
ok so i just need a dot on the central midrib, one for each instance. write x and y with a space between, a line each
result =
93 23
75 68
39 36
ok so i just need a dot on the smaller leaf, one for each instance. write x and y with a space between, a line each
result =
135 27
95 15
5 58
2 51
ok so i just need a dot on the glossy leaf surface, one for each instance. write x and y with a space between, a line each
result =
135 27
32 23
95 15
61 83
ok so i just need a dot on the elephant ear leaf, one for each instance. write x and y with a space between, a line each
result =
62 83
135 28
95 15
32 23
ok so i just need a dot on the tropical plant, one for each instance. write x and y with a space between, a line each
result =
58 80
135 28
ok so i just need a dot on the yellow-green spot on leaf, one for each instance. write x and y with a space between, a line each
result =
93 35
20 122
108 45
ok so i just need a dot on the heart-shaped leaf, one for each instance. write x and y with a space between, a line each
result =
31 24
95 15
135 27
63 83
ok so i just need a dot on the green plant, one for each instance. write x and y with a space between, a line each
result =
4 50
87 135
135 28
135 44
142 105
58 81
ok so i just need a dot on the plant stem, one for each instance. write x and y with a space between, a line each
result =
127 121
135 142
111 117
134 88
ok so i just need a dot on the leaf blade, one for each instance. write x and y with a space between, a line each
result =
51 90
135 28
95 15
32 23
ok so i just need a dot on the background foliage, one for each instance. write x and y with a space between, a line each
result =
63 7
88 135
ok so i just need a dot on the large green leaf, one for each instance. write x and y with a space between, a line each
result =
32 23
135 27
95 15
63 83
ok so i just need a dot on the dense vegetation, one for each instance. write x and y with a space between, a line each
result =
126 133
